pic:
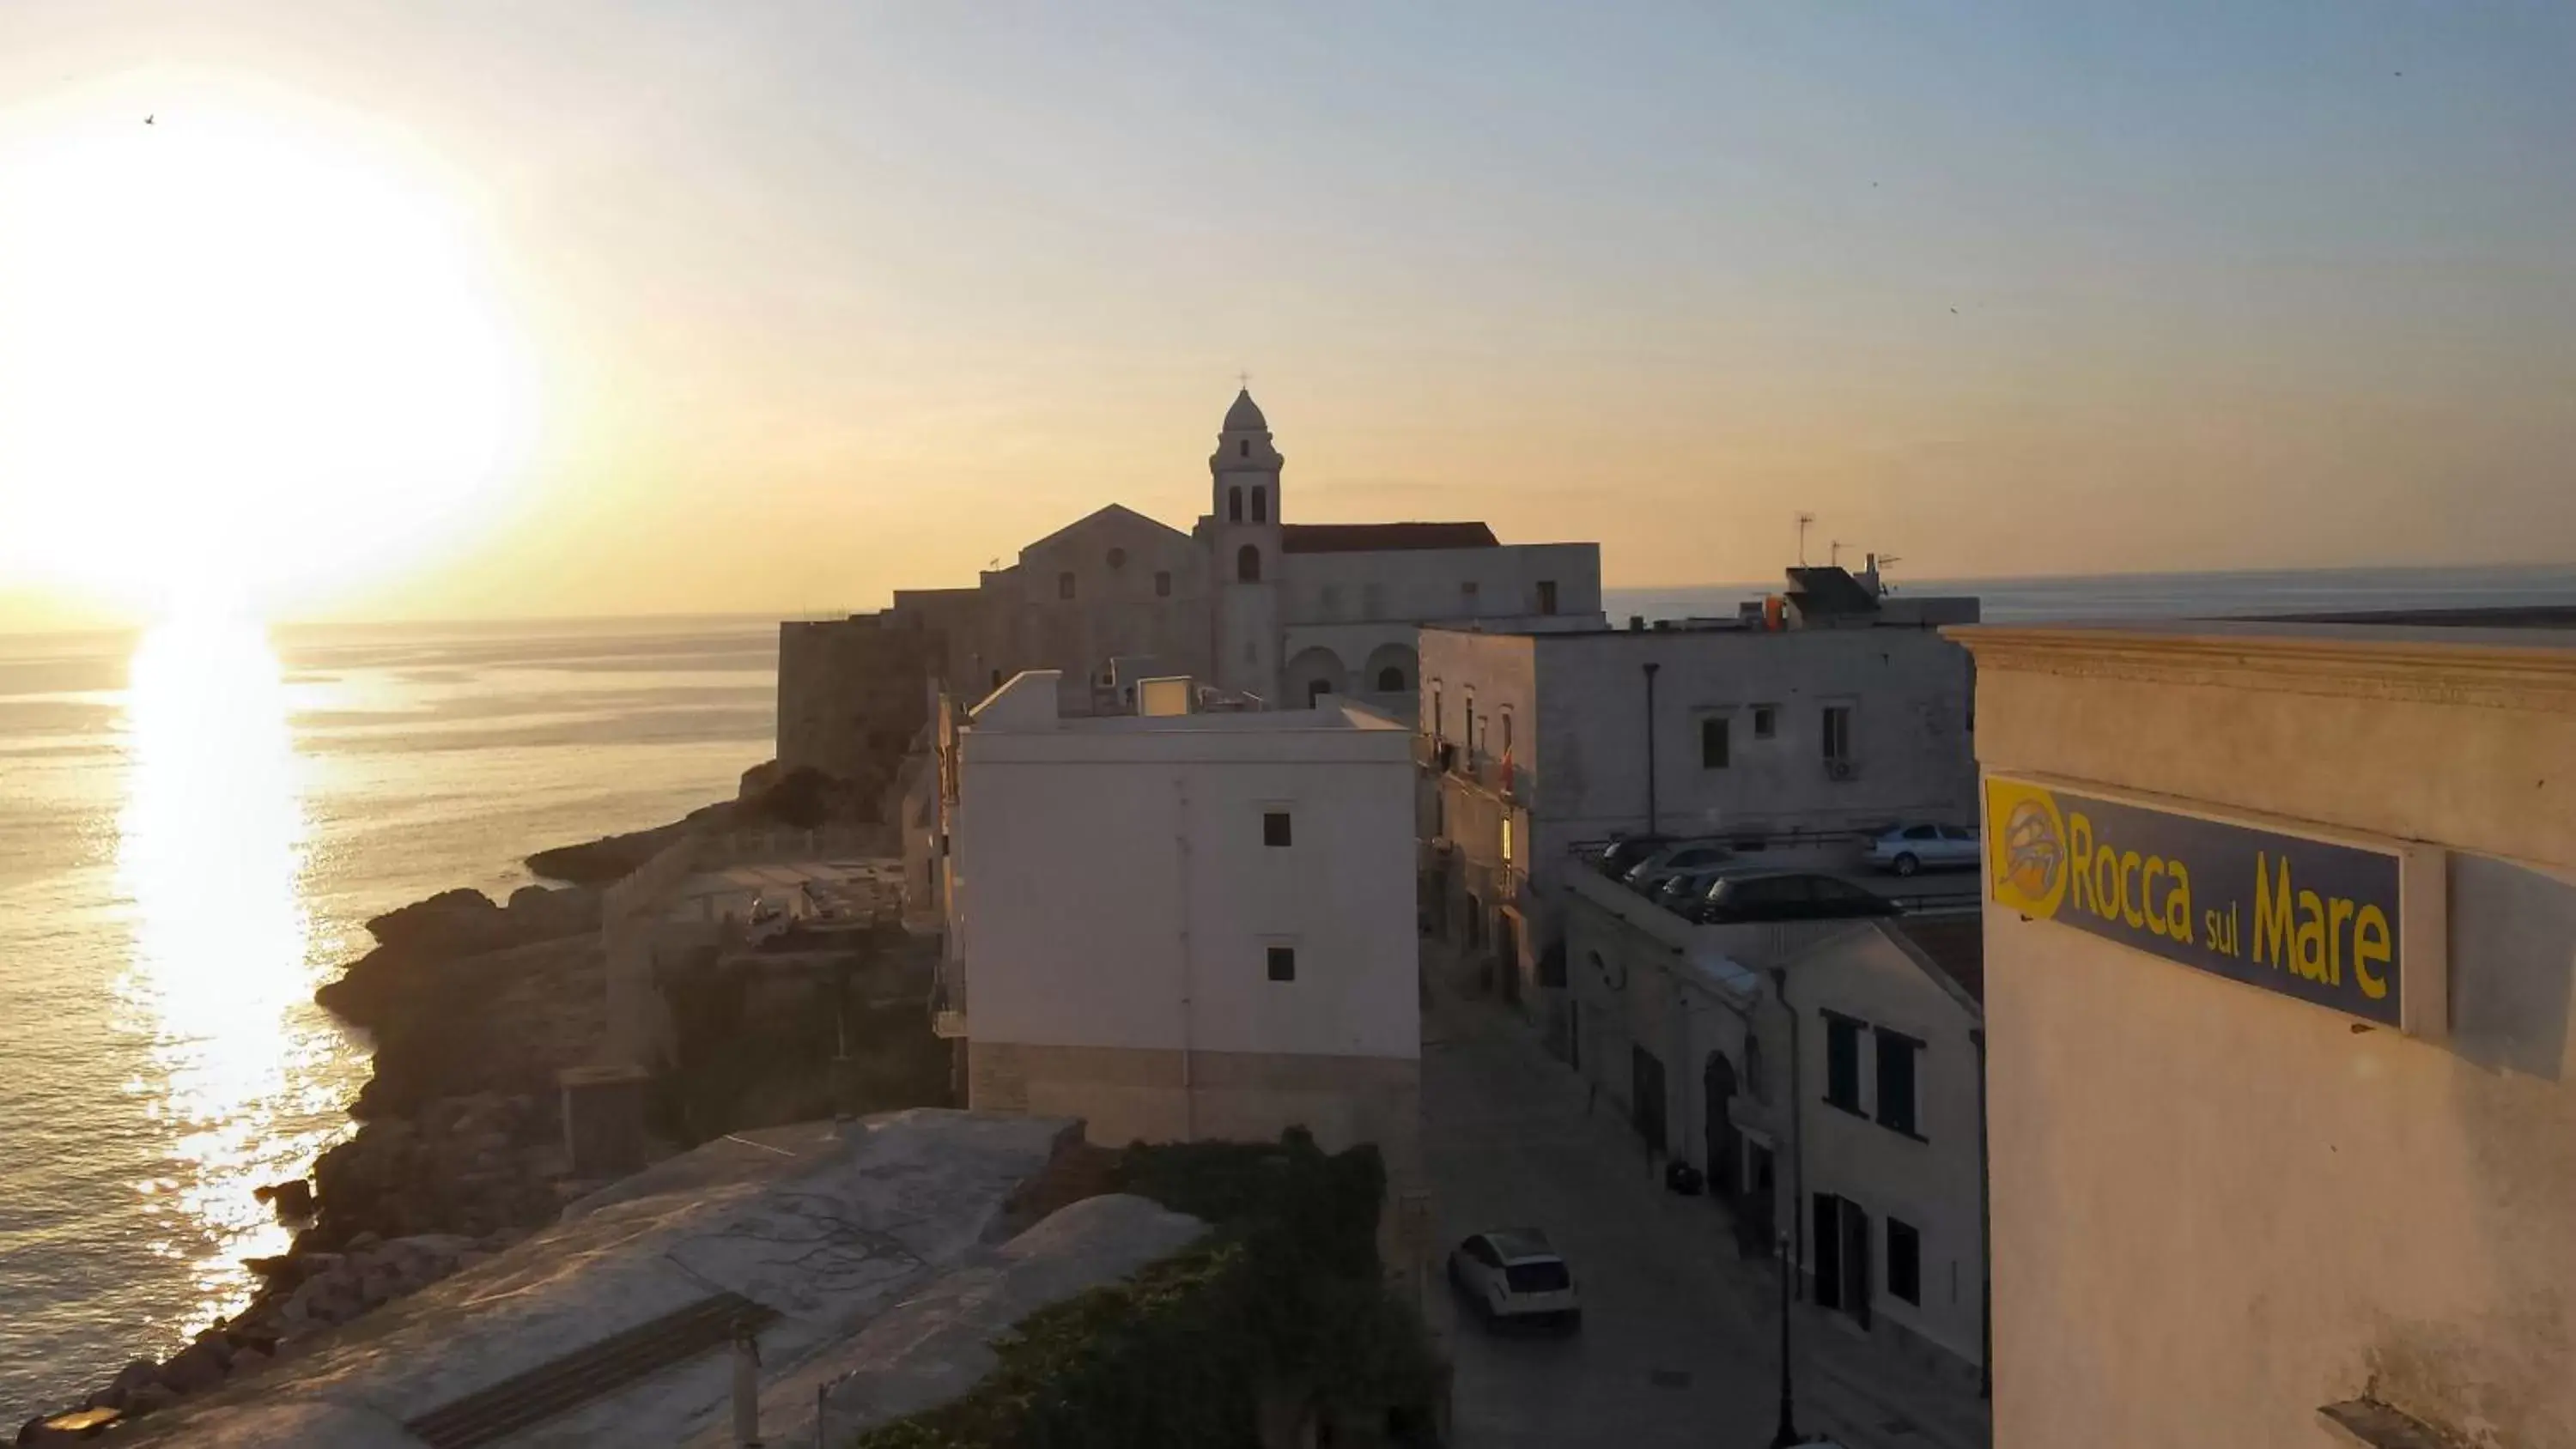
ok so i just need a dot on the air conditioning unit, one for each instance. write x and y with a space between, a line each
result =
1838 769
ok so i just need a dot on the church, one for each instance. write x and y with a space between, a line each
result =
1246 600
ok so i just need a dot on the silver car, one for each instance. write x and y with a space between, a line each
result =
1681 857
1911 848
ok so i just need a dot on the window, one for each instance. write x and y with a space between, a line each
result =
1507 734
1243 447
1439 716
1551 967
1904 1261
1766 721
1247 564
1896 1081
1261 505
1547 596
1467 596
1064 586
1118 558
1838 732
1283 963
1234 505
1328 601
1753 1078
1712 742
1390 680
1275 828
1507 840
1842 1062
1163 583
1922 832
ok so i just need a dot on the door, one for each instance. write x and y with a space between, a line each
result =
1717 1087
1507 950
1841 1246
1754 1209
1646 1101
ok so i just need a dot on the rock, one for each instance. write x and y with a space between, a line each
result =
134 1376
292 1199
363 1241
193 1369
150 1397
250 1361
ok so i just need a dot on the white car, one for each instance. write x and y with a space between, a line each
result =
1910 848
1679 858
1513 1276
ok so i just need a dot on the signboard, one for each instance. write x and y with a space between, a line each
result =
2321 920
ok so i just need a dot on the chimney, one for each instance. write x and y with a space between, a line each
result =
1636 623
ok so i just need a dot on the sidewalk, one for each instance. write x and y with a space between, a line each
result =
1482 1061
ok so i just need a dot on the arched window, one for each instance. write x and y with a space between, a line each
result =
1247 564
1234 505
1118 558
1261 505
1390 680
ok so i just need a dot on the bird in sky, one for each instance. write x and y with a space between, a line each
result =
147 120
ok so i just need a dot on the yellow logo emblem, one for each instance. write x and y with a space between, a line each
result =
2026 842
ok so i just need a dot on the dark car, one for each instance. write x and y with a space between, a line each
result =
1785 895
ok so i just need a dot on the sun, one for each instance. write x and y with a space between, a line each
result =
240 362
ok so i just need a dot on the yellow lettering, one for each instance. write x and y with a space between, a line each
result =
2156 917
2272 914
2370 948
2106 883
2312 936
2178 906
2337 912
2079 856
2129 903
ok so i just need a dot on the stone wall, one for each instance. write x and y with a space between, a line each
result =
852 693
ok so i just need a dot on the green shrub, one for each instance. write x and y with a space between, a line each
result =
1284 1296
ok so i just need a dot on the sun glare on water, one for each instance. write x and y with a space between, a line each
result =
238 365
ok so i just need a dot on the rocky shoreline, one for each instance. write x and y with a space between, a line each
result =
474 1005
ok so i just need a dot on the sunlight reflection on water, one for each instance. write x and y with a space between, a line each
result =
210 851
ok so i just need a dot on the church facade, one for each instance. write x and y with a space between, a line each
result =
1246 600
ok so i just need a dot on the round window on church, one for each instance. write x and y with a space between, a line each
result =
1118 558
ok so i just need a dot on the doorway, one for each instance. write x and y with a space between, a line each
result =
1842 1256
1646 1098
1717 1087
1507 951
1755 1208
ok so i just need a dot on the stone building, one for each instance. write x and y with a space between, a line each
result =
1804 735
2279 966
852 694
1246 600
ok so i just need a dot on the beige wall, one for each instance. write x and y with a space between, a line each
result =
2217 1209
1130 1095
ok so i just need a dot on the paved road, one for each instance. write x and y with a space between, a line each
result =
1678 1345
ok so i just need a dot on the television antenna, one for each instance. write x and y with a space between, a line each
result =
1804 519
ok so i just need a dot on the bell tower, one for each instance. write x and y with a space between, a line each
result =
1246 560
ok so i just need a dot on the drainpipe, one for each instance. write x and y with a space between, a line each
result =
1651 823
1797 1130
1985 1235
1181 854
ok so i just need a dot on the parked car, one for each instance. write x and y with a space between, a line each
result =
1676 893
1612 858
1514 1276
1909 848
1785 895
1677 857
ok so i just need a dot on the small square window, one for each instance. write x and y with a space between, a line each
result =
1766 721
1283 963
1275 828
1163 584
1904 1261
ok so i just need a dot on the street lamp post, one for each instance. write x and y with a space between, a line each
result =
1787 1434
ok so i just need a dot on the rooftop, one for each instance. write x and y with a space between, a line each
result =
1957 945
1383 537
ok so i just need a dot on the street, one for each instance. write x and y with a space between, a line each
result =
1679 1339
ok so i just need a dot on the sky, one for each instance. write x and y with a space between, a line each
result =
818 300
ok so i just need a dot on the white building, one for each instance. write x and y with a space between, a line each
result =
1809 734
1826 1077
1246 599
2265 1177
1186 926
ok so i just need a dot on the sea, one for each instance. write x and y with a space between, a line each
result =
197 820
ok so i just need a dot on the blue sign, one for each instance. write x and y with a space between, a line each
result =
2314 919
